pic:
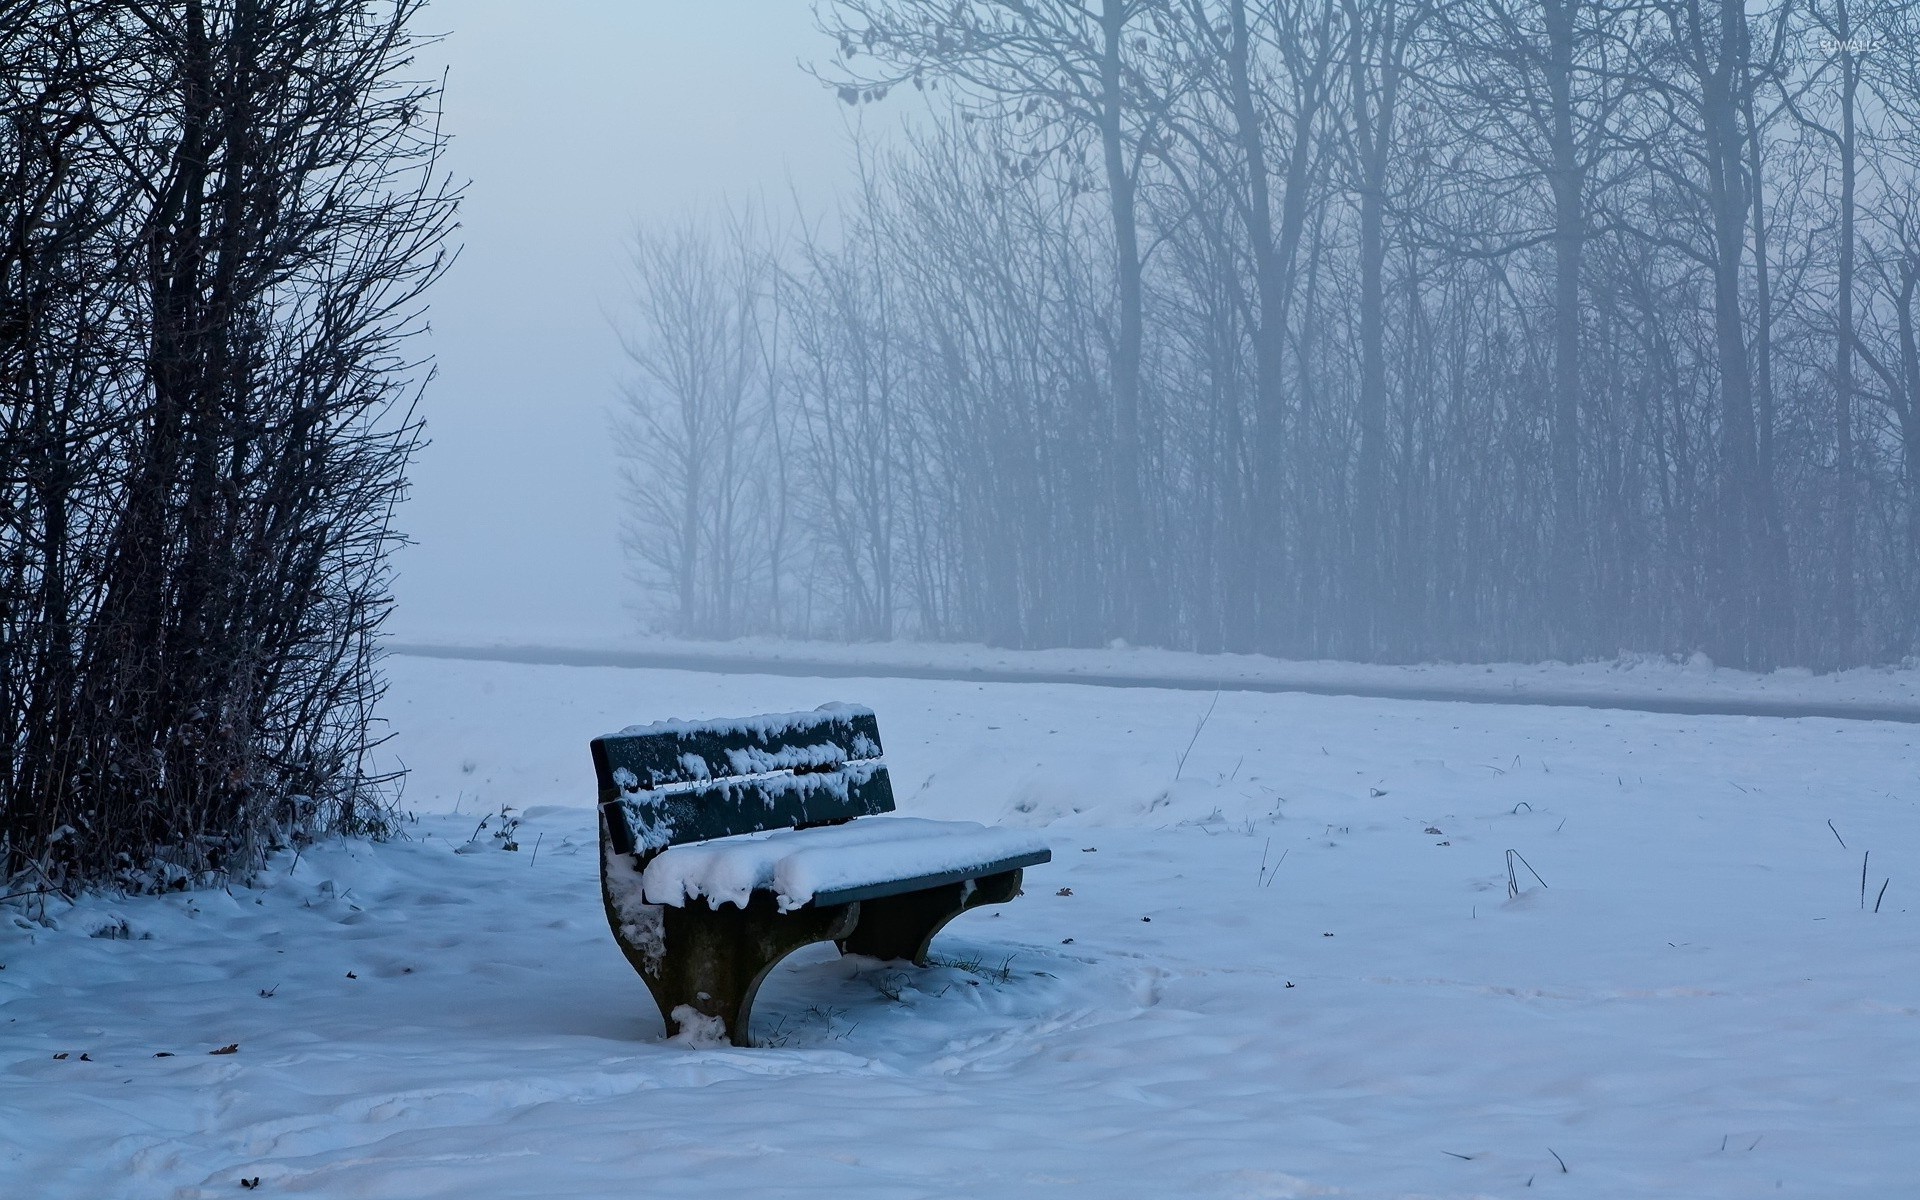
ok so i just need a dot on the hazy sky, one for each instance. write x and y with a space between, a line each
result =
575 120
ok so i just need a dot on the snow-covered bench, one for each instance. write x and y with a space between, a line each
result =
726 845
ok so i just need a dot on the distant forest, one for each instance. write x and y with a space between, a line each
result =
1375 329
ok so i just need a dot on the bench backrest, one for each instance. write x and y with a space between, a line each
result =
687 781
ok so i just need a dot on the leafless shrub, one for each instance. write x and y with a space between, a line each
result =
219 217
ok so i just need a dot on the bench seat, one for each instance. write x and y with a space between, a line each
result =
835 864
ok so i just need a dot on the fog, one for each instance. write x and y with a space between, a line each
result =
1273 467
1364 331
573 122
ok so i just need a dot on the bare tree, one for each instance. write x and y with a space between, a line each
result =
698 418
1248 94
1538 85
1703 75
847 378
1063 68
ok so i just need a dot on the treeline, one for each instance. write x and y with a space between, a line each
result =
1383 329
216 219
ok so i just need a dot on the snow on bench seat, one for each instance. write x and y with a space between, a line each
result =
863 859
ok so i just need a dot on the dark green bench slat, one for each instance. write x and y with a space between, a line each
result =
873 891
675 752
645 821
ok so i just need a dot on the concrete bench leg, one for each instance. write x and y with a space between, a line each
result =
902 927
713 960
716 959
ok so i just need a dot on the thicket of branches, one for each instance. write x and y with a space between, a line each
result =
216 220
1385 329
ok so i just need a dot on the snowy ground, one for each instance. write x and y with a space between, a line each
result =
1283 965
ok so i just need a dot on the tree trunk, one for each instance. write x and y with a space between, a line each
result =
1740 636
1567 620
1143 616
1374 87
1846 629
1260 609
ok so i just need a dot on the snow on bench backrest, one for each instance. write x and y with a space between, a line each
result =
685 781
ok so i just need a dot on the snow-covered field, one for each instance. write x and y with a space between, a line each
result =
1630 678
1275 959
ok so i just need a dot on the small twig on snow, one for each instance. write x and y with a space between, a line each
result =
1207 716
1513 880
1267 877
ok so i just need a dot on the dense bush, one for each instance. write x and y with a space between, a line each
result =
216 221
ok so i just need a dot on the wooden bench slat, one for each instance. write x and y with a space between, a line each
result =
645 757
645 821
